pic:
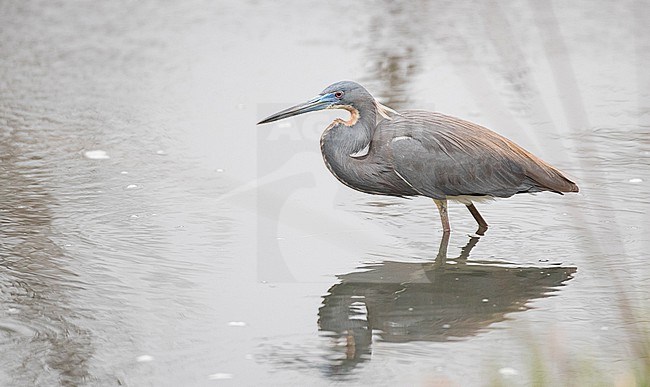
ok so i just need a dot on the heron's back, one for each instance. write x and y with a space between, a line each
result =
443 155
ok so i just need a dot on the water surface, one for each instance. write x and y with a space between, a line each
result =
151 234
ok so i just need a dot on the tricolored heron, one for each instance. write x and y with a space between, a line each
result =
421 153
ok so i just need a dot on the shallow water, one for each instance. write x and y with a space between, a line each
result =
151 234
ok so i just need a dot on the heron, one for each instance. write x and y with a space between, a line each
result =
421 153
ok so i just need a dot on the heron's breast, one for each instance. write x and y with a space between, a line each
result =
367 175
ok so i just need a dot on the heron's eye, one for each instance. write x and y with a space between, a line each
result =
338 94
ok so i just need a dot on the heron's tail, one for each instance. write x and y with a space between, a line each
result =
549 178
544 176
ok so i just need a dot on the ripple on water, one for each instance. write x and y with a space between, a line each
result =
96 155
12 329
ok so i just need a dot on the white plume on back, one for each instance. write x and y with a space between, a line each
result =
385 111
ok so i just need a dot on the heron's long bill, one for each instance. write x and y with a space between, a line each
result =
319 103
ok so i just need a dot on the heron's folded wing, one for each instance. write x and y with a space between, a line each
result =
438 166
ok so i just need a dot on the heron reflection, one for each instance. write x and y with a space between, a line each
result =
443 300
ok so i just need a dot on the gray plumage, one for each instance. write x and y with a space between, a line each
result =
420 153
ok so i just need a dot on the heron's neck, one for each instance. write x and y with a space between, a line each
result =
343 144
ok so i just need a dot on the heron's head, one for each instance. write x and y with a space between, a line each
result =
346 95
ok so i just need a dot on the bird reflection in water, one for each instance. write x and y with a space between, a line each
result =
443 300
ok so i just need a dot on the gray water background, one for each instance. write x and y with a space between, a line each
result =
151 234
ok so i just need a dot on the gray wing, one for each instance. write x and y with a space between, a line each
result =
443 156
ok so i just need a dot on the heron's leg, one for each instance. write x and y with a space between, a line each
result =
444 217
482 225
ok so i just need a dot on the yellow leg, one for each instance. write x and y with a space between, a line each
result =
444 217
